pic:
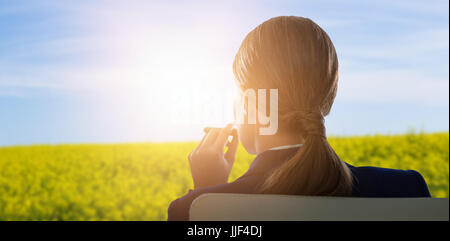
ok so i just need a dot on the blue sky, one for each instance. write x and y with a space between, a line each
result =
132 71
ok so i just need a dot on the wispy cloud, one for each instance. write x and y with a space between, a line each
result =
393 86
100 51
416 46
123 68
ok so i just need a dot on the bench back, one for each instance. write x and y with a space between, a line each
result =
259 207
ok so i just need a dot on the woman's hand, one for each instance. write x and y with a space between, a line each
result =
209 164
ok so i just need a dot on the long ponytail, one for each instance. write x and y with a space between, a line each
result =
315 169
295 56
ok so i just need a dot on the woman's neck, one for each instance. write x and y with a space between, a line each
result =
264 143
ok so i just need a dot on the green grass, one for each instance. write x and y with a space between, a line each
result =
138 181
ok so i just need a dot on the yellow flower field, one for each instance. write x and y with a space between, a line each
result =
138 181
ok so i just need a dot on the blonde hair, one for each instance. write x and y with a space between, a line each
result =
295 56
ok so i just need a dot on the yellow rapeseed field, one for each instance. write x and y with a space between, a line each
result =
138 181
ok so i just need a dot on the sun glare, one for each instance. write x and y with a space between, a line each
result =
182 80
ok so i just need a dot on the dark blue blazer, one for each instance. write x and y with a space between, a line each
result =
367 182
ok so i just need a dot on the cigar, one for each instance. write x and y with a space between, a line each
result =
233 133
207 129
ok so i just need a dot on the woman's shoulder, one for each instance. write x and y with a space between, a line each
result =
371 181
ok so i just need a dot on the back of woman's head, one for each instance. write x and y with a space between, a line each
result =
295 56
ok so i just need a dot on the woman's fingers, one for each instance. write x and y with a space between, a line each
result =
202 142
209 164
199 145
218 138
211 137
230 155
222 139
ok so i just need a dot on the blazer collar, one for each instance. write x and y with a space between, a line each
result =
267 161
270 159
